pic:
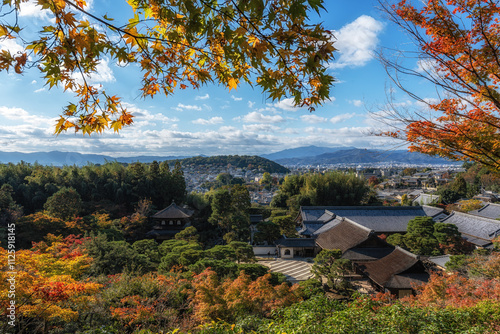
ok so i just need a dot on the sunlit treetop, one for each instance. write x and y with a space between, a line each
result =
176 44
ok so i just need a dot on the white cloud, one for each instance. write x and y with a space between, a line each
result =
11 45
251 104
32 9
22 116
145 118
236 98
103 73
427 66
211 121
312 119
223 129
184 107
341 118
43 89
33 82
286 104
257 117
260 128
356 103
203 97
356 42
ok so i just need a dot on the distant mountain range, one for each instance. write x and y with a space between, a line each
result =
365 156
57 158
309 155
303 152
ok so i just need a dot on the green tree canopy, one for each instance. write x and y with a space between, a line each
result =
66 203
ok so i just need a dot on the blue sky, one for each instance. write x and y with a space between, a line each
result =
212 120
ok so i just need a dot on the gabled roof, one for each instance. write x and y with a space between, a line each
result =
308 229
345 235
315 213
477 230
399 270
361 254
377 218
329 225
490 210
172 212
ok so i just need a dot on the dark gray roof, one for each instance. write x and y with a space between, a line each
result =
327 226
407 280
296 242
440 260
358 254
490 210
173 211
399 270
312 213
378 218
477 230
309 229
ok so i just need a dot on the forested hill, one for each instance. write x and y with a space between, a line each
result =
238 161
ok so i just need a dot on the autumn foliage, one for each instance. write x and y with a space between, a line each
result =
459 45
176 45
213 299
49 285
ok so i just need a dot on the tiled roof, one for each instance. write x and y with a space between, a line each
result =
345 235
477 230
490 210
172 212
309 229
328 225
314 213
440 260
378 218
399 269
358 254
424 199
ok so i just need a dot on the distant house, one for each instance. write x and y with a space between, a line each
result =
490 210
487 196
169 222
477 230
396 273
426 199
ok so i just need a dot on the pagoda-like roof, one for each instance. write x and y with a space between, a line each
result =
173 211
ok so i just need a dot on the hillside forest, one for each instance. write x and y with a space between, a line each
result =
83 262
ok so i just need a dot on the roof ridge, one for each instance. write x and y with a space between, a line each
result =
491 220
357 224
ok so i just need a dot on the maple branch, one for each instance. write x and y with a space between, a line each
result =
137 37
